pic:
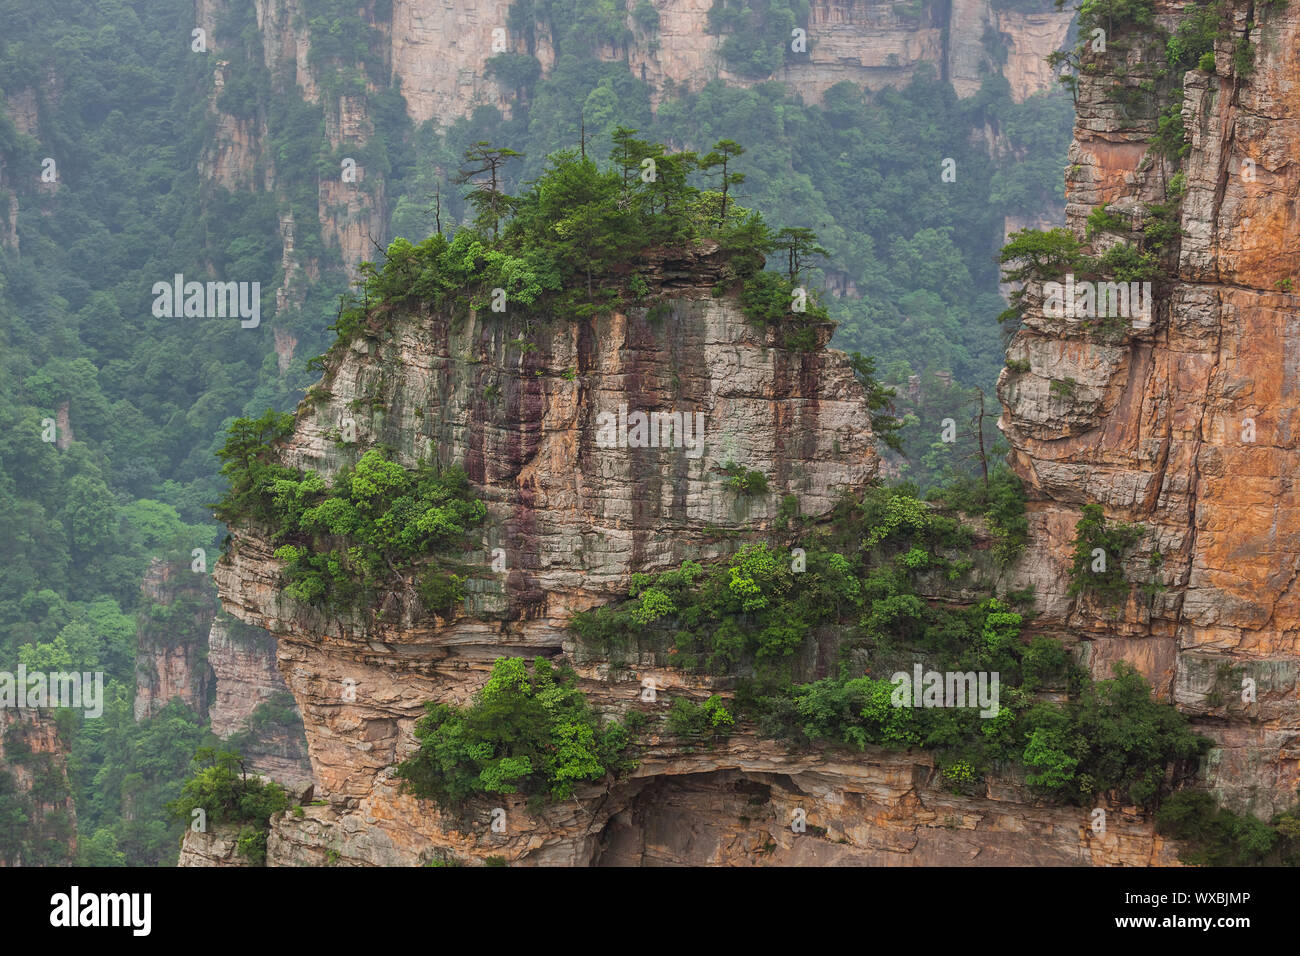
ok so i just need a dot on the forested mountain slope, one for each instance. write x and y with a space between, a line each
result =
133 150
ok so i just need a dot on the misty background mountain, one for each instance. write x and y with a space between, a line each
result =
140 140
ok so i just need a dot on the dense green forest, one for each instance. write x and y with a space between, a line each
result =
124 109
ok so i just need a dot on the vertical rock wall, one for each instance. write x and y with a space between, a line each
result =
1187 427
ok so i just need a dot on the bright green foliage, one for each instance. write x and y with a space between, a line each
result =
1101 574
754 614
99 849
889 515
754 610
755 576
525 733
1111 735
700 722
222 788
654 604
856 711
1052 768
744 481
248 466
345 541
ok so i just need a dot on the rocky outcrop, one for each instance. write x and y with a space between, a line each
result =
219 847
1185 426
232 157
34 783
440 51
983 38
244 669
221 668
1028 38
516 402
242 660
746 802
171 656
20 107
352 209
869 44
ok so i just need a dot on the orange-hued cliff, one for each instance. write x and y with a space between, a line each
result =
1188 427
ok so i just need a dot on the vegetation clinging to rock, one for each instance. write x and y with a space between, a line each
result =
377 523
525 733
750 619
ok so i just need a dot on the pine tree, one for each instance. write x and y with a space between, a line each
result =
487 196
723 152
799 244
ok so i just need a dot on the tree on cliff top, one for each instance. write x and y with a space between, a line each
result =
487 196
576 223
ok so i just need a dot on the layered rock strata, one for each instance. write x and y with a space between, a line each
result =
516 401
1186 426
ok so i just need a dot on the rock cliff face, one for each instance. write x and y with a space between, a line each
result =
20 108
219 847
732 806
1187 426
221 668
1012 42
517 405
440 49
237 154
244 671
171 656
34 782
